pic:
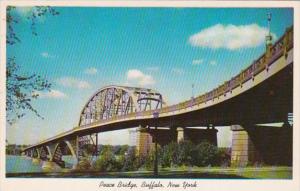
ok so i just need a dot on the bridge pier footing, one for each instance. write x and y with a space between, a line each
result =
242 149
143 142
48 166
261 145
165 136
36 161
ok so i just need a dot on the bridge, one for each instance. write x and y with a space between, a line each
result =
261 93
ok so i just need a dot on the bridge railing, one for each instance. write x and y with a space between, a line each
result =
280 47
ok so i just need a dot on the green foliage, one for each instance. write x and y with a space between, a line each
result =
106 149
120 149
13 149
205 154
130 160
84 164
12 19
89 149
147 161
169 155
107 160
175 154
116 158
224 157
21 89
185 152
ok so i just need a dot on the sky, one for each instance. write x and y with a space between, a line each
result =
180 52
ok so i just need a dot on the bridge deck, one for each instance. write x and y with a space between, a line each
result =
273 61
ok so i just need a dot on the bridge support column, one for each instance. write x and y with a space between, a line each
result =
48 166
36 156
36 161
242 150
51 149
261 144
180 134
144 141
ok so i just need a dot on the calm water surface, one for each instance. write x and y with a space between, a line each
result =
21 164
18 164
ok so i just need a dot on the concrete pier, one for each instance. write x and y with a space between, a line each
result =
261 145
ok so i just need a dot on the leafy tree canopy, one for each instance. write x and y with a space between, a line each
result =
21 89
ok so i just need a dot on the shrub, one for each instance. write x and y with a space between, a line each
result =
224 157
176 154
185 149
130 160
205 154
169 154
107 160
123 149
83 164
147 161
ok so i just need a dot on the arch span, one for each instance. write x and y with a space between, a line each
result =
60 150
113 101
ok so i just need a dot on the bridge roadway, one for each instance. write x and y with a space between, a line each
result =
262 93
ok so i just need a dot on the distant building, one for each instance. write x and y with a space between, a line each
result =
132 137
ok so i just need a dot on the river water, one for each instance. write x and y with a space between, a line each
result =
21 164
16 164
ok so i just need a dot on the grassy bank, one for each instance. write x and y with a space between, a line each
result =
181 172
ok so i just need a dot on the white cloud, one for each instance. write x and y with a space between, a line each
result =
55 94
230 36
73 83
197 62
177 71
24 11
213 62
138 77
47 55
91 71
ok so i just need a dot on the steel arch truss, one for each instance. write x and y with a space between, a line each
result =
119 100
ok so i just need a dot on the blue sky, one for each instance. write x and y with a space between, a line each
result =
168 49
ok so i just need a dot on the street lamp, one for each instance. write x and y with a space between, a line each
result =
155 116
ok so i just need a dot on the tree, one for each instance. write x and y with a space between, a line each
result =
84 164
185 152
130 160
21 89
205 154
169 155
177 154
107 161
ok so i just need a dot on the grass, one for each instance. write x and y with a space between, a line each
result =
178 172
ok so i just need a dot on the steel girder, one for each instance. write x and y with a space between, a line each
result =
113 101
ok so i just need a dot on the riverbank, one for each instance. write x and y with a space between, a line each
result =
202 173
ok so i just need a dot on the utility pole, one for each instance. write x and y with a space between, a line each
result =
193 85
155 168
